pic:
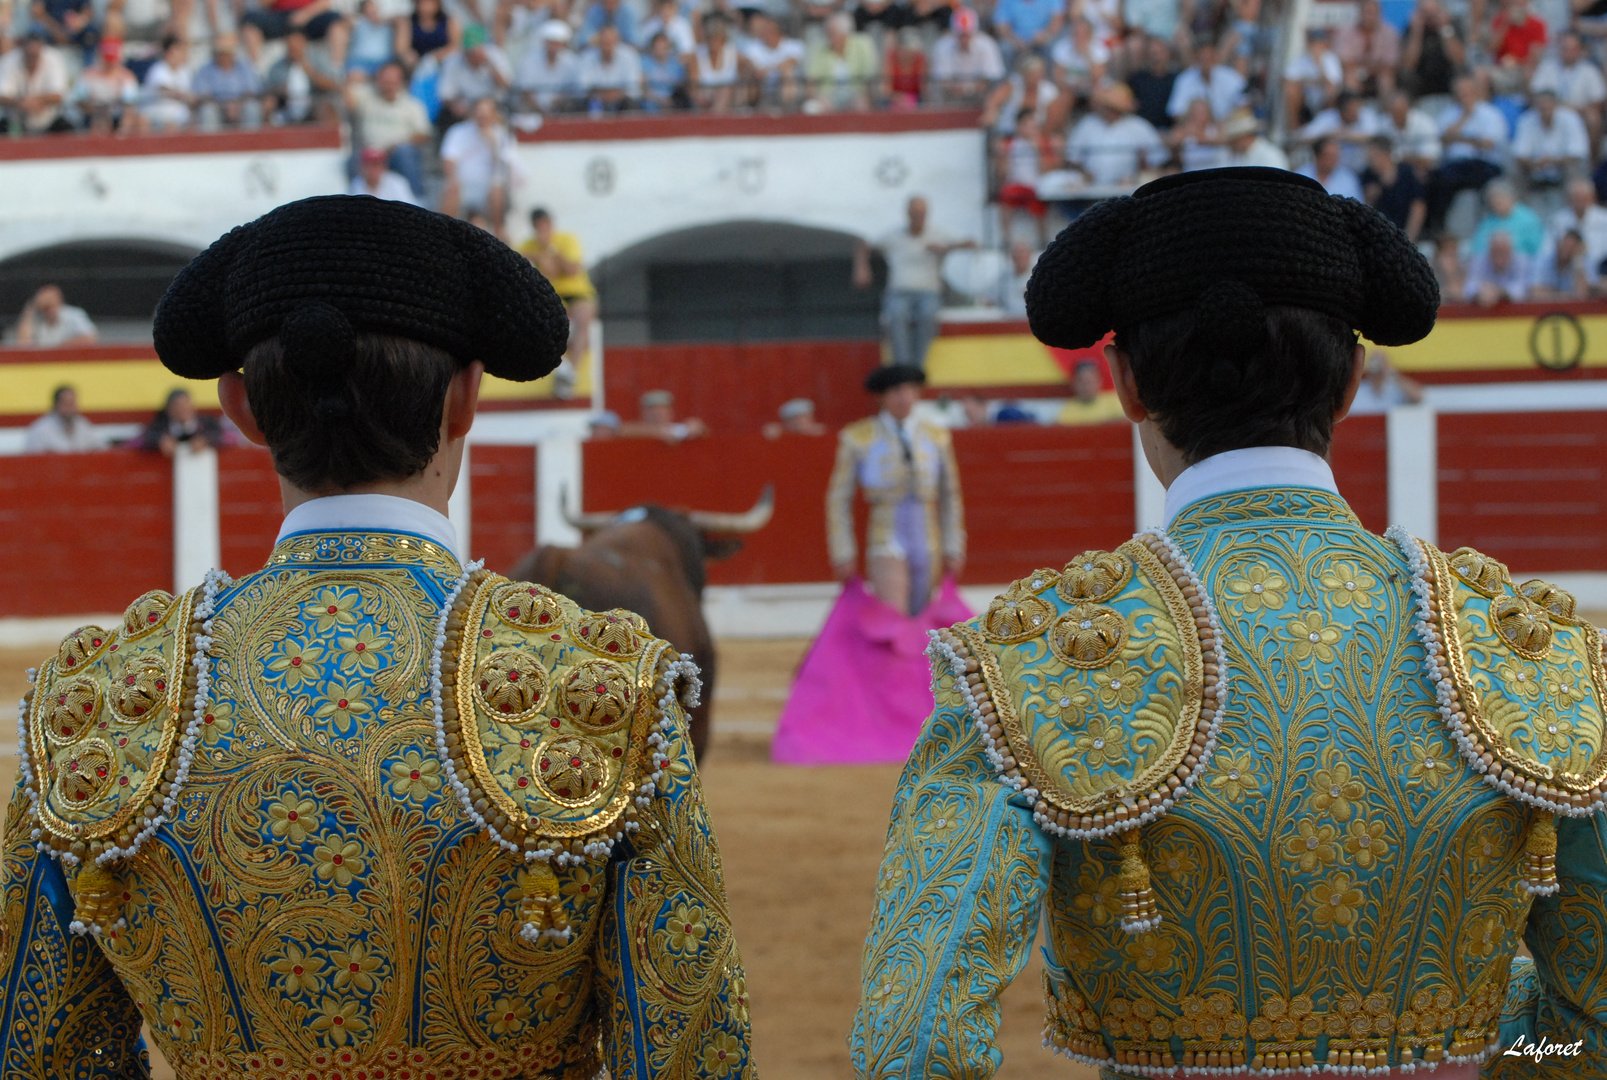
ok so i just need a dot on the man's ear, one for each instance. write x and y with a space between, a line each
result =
462 399
1121 374
1358 371
232 396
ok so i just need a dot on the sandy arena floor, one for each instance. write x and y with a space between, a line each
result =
801 849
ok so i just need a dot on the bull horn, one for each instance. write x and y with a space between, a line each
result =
577 520
749 521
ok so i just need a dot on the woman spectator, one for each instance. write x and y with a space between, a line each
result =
179 421
841 69
904 79
108 93
1195 140
1022 158
663 76
715 67
167 87
1080 59
373 41
429 30
1028 88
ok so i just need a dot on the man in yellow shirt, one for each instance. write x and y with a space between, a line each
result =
1092 403
557 255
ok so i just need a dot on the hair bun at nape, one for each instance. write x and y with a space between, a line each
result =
1229 320
318 344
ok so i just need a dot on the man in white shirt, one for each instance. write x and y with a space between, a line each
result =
610 72
62 430
1313 79
33 84
914 281
965 61
1550 145
774 59
1218 84
1111 146
387 118
477 70
1247 146
548 77
49 321
373 178
1352 123
1584 216
1576 80
1325 168
1413 133
1473 134
478 157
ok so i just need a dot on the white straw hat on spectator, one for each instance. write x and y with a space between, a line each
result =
1242 122
556 30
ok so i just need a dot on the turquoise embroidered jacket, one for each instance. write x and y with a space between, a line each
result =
1275 810
313 873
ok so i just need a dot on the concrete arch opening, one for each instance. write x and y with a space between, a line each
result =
118 281
737 281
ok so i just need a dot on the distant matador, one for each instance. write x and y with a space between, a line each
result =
1290 794
369 811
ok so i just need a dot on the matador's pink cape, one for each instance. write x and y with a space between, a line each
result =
865 688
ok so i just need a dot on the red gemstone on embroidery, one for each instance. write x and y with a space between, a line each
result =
618 751
340 1021
507 708
122 781
71 661
413 774
355 967
525 743
360 646
88 708
564 792
507 1016
66 729
292 816
601 689
545 618
139 710
513 676
556 722
574 763
72 766
295 661
585 631
545 765
486 633
121 742
513 613
129 680
114 648
613 646
523 781
337 860
151 617
62 700
333 609
100 771
95 642
161 684
343 703
557 637
207 719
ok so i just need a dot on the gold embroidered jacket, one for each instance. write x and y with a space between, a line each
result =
1287 793
870 456
365 814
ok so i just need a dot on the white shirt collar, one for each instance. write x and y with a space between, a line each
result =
379 513
1253 467
895 425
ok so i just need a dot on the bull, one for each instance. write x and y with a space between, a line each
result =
650 560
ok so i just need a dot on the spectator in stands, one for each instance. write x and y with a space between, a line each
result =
1550 147
914 293
1518 39
300 85
386 118
1508 215
1473 137
1156 18
1110 146
842 70
716 68
1195 140
1247 146
1584 216
965 61
376 179
481 170
600 13
658 420
1026 25
795 417
603 425
548 77
1012 297
428 31
180 423
610 73
1394 188
1369 51
1559 271
904 72
48 322
62 430
477 71
774 61
1577 82
663 76
1413 133
1384 388
1497 274
559 257
1153 85
167 92
1351 122
1434 51
227 91
373 42
669 20
1089 404
1313 79
1326 168
108 94
33 85
1029 88
314 20
1217 83
1080 59
68 24
1021 158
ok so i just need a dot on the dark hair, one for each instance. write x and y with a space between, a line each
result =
1284 393
1382 142
379 420
539 214
1322 143
55 395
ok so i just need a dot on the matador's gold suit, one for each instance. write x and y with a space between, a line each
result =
365 814
1285 795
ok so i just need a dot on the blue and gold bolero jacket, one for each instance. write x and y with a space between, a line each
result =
365 814
1286 797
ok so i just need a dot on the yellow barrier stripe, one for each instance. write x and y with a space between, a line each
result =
991 360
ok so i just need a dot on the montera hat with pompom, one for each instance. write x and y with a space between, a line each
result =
1225 244
318 271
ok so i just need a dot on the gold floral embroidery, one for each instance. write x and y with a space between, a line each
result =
1521 677
1431 764
339 1021
1098 900
303 974
1348 585
1312 846
176 1020
1364 842
1335 789
721 1055
1066 702
293 820
216 722
297 664
1118 685
363 651
1483 936
686 928
333 609
1312 637
1235 775
343 705
508 1016
942 820
1552 731
1334 902
1259 589
415 776
1564 688
339 860
354 967
1104 743
1151 953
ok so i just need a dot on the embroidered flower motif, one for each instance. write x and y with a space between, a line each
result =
1151 953
1364 842
1334 789
338 860
1348 585
178 1022
1066 702
1564 688
1311 636
1486 846
339 1022
1176 862
687 928
1235 776
887 987
297 664
737 998
1118 685
293 818
1553 732
342 704
941 821
362 651
722 1055
1099 900
581 884
1430 765
1521 677
508 1016
892 876
1335 901
555 998
355 967
1483 937
303 974
1104 743
332 609
1259 588
216 722
1312 846
415 776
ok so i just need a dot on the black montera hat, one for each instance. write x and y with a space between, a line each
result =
1225 243
321 269
884 378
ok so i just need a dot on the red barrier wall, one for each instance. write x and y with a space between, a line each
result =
1360 459
82 533
249 508
502 504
